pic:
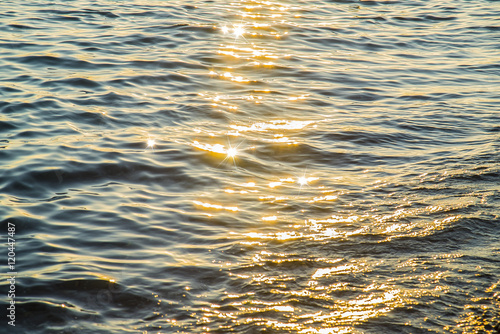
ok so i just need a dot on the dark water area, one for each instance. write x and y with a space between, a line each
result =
250 166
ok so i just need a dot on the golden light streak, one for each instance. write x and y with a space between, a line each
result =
230 152
323 198
216 148
273 198
273 125
216 206
288 179
335 270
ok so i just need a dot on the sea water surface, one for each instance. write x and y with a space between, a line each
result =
319 166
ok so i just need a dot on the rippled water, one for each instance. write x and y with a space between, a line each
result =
252 166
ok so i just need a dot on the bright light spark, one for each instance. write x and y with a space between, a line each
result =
231 152
238 30
151 143
302 180
225 29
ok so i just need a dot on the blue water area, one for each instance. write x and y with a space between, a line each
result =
250 166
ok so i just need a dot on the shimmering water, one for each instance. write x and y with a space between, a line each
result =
251 166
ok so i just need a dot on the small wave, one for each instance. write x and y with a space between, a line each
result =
57 62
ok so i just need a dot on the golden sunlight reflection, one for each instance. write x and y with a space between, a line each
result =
338 314
323 198
345 269
275 184
304 181
216 206
273 125
237 29
273 199
282 218
229 151
258 20
215 148
343 305
344 227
